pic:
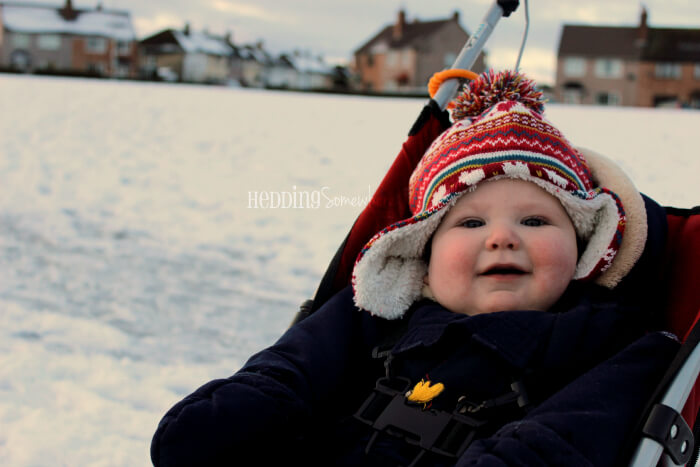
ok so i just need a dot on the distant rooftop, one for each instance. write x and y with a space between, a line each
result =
36 19
594 41
631 42
411 32
194 42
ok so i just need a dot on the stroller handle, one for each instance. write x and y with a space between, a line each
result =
473 47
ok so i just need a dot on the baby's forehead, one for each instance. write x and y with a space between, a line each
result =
513 193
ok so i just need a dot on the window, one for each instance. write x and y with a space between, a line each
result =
607 98
608 68
20 41
667 70
96 45
20 59
574 66
696 71
49 42
392 58
123 47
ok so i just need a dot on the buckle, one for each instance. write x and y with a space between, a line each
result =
386 410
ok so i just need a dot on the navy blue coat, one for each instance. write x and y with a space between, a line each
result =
587 364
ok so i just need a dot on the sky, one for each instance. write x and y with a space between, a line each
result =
335 28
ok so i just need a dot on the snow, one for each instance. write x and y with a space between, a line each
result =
197 42
309 64
40 19
136 267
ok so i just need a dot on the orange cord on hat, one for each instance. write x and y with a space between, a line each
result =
441 76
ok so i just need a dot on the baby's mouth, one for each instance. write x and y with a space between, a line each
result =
504 270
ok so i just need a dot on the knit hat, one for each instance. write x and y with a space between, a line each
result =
499 132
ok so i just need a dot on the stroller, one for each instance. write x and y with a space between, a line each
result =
663 429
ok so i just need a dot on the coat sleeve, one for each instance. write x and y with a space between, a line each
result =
269 399
588 421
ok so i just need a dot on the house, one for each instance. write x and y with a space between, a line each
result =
254 65
301 71
281 74
187 56
403 56
630 66
312 72
41 38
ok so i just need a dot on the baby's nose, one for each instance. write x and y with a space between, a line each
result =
502 237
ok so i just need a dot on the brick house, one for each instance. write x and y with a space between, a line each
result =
629 66
40 38
403 56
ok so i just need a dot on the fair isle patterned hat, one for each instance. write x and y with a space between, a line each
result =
499 133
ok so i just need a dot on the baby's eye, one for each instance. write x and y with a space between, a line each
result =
534 221
472 223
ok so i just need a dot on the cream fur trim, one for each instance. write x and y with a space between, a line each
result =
389 277
608 174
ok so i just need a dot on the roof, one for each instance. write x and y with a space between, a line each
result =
29 18
413 33
597 41
661 44
254 52
199 42
306 63
191 42
666 44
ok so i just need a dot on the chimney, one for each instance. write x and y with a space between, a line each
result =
455 16
400 26
643 30
68 12
186 29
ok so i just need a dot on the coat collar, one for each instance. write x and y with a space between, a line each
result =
581 322
514 335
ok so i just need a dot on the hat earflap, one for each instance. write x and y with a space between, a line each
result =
388 277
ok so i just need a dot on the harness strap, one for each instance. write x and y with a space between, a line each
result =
389 410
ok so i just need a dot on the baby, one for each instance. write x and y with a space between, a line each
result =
493 327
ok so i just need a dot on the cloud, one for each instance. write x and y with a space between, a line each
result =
537 63
248 11
147 25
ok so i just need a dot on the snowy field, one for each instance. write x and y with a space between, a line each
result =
135 265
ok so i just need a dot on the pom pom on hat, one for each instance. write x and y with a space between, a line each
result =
491 87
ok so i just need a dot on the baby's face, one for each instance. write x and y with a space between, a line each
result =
509 245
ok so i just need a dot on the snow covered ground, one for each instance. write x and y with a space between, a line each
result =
136 265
